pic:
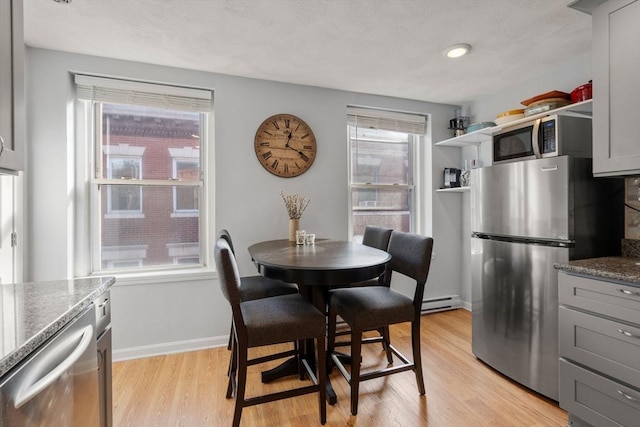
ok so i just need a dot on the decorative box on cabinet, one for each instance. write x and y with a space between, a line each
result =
599 343
616 88
12 121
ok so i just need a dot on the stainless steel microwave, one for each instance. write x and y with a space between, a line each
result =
549 136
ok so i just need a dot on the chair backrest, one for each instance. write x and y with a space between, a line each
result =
227 271
411 256
376 237
224 234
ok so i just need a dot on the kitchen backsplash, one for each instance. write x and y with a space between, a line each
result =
631 248
632 208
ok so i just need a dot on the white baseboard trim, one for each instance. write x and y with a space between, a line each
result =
169 348
466 305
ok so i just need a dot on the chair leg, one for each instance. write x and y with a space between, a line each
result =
386 341
332 318
356 361
241 383
417 358
321 371
230 336
232 339
299 347
233 367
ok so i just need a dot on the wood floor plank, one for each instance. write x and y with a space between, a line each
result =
188 389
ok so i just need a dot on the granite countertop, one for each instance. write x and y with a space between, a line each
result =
31 313
622 268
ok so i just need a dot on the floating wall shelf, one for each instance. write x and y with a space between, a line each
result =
581 109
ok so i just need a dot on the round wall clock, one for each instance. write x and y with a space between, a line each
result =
285 145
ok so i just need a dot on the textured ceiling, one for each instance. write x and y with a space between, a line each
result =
386 47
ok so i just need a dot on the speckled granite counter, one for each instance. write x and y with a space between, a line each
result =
625 269
31 313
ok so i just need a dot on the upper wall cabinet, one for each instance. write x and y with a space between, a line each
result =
12 123
616 88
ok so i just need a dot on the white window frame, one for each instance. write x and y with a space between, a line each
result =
413 124
88 123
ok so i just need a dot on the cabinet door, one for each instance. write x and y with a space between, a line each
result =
597 399
611 299
11 87
616 88
609 347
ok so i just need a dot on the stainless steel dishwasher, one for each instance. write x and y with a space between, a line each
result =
57 385
103 332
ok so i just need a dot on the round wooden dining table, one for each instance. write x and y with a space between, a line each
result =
315 268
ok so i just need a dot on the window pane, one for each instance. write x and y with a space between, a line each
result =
124 198
153 137
187 170
390 208
124 167
154 235
379 156
186 198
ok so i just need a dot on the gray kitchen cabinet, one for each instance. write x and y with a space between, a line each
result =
616 88
599 343
12 120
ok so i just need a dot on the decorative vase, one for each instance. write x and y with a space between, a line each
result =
294 224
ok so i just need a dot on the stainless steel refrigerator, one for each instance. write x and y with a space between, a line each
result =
526 216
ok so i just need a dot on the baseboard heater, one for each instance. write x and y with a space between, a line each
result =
432 305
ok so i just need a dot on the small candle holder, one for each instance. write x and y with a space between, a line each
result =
310 239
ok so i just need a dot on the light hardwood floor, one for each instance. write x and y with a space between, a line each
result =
188 389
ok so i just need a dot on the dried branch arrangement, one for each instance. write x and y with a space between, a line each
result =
295 204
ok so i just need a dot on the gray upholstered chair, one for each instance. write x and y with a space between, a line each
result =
267 321
375 237
257 287
373 307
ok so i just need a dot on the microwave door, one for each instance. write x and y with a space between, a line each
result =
516 145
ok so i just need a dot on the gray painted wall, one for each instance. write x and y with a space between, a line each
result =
169 313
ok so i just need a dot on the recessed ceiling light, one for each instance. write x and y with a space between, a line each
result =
457 50
62 1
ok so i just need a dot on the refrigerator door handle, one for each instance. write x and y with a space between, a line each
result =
535 139
525 240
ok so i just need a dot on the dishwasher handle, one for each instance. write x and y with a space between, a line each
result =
32 390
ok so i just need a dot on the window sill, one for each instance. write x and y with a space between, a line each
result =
135 215
185 214
165 276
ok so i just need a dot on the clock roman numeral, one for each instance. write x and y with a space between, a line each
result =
276 125
304 157
304 136
286 168
296 165
264 144
267 132
267 155
307 147
286 123
274 165
297 127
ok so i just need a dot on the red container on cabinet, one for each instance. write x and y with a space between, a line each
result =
581 93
